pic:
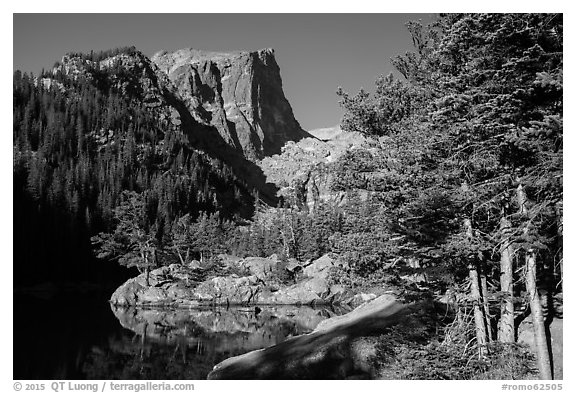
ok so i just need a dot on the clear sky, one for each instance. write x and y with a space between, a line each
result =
316 52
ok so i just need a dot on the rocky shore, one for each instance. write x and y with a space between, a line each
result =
248 281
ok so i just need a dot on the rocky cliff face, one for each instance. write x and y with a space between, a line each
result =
305 170
238 93
229 106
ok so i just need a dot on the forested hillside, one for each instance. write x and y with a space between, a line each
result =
92 127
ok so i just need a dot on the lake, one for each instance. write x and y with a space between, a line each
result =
84 337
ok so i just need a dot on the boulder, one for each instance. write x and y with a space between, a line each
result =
136 292
152 295
294 266
260 267
359 299
556 328
339 348
229 290
309 291
194 264
129 292
169 285
321 266
229 261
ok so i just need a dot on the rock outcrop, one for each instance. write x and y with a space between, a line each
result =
229 290
184 286
306 169
169 286
238 93
321 267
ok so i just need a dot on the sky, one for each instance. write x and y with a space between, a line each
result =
316 53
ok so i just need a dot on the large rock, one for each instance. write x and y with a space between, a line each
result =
229 261
309 291
556 328
169 286
262 268
340 347
229 290
251 290
239 93
320 267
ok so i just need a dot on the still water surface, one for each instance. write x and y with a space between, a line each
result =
84 337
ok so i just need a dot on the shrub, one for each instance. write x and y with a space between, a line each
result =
411 351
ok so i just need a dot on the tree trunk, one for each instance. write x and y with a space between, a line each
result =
560 242
285 246
486 306
544 363
478 313
506 327
477 299
179 255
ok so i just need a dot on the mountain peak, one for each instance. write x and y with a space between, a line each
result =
238 92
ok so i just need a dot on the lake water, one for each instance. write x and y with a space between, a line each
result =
84 337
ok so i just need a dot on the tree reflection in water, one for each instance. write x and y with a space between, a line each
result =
187 343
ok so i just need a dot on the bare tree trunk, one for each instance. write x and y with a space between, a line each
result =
156 259
285 246
560 242
484 291
506 327
477 299
544 363
179 255
144 256
478 313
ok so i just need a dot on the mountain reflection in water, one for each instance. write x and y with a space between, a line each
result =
187 343
83 337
